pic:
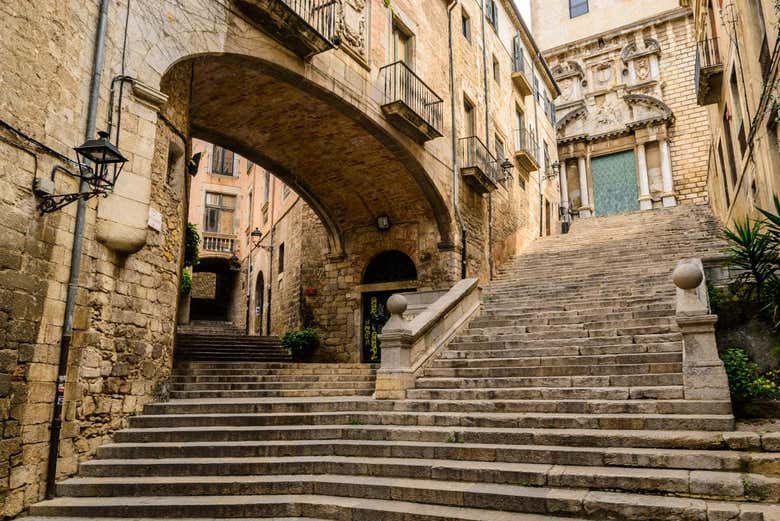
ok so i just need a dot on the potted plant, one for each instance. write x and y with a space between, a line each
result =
301 343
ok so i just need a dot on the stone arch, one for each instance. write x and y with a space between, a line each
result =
389 266
347 166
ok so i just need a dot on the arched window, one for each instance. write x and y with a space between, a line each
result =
390 266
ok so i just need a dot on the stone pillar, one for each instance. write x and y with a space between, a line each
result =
564 186
704 376
584 195
395 375
666 174
645 200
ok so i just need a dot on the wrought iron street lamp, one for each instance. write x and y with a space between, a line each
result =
100 163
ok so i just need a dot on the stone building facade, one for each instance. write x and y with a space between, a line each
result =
736 83
630 133
340 126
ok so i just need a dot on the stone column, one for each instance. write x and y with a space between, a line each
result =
564 186
395 375
704 376
645 200
585 207
666 174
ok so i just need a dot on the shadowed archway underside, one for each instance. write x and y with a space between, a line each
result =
346 167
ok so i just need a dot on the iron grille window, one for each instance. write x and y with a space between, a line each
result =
219 215
577 8
222 161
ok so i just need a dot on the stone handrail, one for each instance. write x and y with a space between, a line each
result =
704 376
408 345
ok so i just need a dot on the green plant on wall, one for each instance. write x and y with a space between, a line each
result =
745 379
185 284
191 245
752 250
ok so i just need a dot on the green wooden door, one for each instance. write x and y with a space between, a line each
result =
614 183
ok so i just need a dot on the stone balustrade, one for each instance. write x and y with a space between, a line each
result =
704 376
409 344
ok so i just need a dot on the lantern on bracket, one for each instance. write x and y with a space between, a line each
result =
100 163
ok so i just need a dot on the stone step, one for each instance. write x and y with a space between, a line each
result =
552 361
271 506
510 498
606 438
460 406
580 369
506 420
454 352
712 484
251 385
454 449
671 392
236 378
278 393
619 380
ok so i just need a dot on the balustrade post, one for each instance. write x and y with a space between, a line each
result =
395 375
704 376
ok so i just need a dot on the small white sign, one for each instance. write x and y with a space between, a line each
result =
155 220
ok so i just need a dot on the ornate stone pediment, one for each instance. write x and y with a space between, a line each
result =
646 47
616 115
569 76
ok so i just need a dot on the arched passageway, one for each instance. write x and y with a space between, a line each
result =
215 281
346 167
389 267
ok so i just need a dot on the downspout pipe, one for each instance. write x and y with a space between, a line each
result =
455 166
487 134
75 256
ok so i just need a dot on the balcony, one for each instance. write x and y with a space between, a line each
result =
409 104
709 72
219 243
522 73
526 150
306 27
479 168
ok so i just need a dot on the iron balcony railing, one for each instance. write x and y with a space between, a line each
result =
474 154
526 142
707 58
219 242
402 84
319 14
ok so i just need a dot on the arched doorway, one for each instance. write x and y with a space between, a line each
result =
389 272
215 281
259 303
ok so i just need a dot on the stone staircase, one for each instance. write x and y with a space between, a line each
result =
563 400
222 341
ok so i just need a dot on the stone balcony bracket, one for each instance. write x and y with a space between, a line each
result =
408 344
704 376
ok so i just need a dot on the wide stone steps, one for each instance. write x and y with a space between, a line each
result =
602 348
657 392
506 420
345 404
510 498
305 392
578 369
454 449
555 361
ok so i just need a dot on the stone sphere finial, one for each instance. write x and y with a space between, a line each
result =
687 276
397 304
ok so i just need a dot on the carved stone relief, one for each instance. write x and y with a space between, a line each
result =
352 27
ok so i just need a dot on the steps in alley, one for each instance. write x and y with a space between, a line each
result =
562 400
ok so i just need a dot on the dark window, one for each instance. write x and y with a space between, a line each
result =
222 162
496 69
267 188
390 266
738 119
499 144
537 93
730 148
281 258
220 209
546 157
577 8
469 121
403 44
465 24
723 174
